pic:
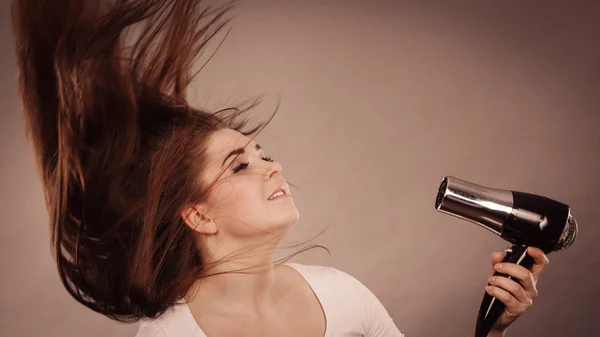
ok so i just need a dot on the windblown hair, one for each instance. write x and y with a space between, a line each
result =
118 147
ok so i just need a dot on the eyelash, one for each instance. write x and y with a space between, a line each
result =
244 165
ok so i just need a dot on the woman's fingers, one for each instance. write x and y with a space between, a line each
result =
539 258
513 308
496 258
521 274
517 293
514 288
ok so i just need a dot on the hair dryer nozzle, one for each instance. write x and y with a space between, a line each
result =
481 205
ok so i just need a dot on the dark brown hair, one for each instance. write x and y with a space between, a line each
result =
118 146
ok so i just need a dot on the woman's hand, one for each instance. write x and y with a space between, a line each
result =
516 297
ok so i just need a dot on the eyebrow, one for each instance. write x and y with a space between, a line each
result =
238 151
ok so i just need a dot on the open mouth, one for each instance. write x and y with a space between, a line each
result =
279 193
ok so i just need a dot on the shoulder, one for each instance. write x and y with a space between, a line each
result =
150 328
324 274
175 322
350 306
334 281
320 272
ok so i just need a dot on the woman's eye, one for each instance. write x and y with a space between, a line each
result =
240 167
245 165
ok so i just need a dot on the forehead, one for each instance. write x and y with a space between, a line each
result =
223 141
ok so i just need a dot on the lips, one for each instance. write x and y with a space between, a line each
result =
280 191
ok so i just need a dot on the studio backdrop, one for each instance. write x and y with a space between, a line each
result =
378 101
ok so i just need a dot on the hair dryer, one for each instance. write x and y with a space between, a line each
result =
522 219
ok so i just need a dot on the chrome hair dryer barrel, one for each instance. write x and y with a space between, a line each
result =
520 218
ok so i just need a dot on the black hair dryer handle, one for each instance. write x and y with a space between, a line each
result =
491 308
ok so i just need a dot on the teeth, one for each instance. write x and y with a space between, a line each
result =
277 194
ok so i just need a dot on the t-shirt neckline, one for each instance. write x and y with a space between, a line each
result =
198 330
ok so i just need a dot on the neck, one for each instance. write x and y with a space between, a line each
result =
238 285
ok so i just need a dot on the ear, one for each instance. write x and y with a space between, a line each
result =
195 217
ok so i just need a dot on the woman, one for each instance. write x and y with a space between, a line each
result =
164 213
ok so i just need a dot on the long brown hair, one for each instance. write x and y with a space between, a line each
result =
118 147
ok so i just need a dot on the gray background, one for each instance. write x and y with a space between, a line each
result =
379 101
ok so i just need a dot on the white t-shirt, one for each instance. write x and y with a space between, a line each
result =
351 309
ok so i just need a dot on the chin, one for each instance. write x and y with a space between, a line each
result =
287 221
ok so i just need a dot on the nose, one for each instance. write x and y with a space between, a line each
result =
274 170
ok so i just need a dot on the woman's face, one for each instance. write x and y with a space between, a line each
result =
241 202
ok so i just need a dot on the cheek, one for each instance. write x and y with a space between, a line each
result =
237 199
